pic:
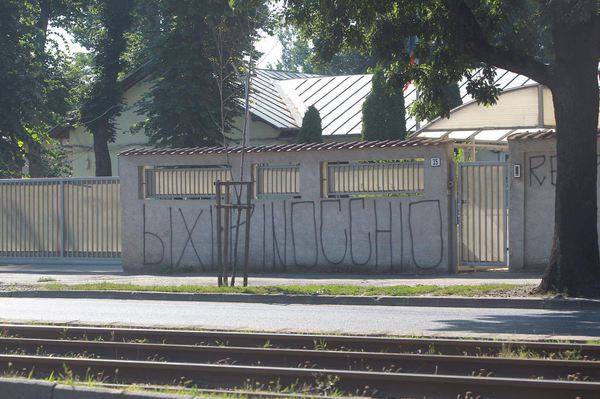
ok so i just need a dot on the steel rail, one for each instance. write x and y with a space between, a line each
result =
377 361
300 341
382 384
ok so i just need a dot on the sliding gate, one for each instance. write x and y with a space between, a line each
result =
483 214
60 219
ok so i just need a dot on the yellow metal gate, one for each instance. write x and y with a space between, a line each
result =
60 218
483 214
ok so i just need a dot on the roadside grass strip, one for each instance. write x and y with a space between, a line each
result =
329 289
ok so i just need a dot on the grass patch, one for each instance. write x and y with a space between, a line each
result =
328 289
45 279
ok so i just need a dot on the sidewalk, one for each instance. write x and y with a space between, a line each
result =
438 291
15 276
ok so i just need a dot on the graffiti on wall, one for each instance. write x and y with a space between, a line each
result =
542 169
350 234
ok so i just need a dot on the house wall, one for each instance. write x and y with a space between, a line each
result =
531 224
260 132
514 108
80 145
548 107
369 234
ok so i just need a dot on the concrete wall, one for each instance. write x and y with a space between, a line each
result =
370 234
531 217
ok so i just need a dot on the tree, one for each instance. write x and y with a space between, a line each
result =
556 43
311 130
50 64
298 56
198 60
383 114
19 97
105 98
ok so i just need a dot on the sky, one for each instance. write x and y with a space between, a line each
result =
271 48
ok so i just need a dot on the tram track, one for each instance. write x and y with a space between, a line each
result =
468 347
355 365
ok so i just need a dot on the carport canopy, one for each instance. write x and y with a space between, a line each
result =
481 137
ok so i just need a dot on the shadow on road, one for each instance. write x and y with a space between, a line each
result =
551 323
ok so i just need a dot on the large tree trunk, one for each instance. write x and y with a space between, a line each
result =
575 264
103 164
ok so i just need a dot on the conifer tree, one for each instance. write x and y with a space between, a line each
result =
383 111
196 71
311 131
453 95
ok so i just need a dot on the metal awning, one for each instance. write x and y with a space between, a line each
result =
484 137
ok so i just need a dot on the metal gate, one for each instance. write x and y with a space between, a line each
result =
60 219
483 214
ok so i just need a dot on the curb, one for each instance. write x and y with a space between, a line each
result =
424 301
17 388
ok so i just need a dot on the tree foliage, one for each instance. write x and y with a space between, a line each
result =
44 84
311 130
36 89
298 56
556 43
21 95
386 26
198 60
383 112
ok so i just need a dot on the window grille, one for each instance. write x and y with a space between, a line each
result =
277 180
375 177
184 182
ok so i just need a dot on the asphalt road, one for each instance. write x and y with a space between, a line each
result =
305 318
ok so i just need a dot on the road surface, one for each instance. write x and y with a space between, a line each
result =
305 318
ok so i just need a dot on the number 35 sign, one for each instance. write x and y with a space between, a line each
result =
435 162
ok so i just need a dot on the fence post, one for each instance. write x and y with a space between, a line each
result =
62 218
247 231
219 228
225 267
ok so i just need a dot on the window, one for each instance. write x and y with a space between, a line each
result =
184 182
387 177
277 180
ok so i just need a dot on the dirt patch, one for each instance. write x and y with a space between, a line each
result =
519 291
